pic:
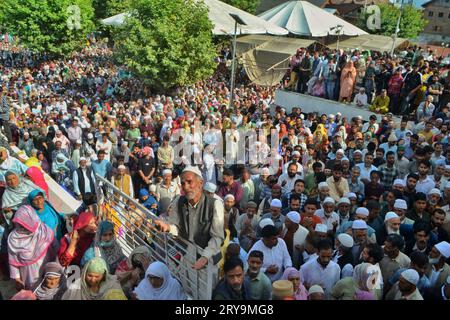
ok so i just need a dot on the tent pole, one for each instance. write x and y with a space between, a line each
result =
233 65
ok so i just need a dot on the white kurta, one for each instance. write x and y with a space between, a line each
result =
277 255
313 273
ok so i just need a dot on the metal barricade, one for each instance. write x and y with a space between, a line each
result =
134 226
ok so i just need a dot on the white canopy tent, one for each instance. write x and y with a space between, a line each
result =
219 14
305 19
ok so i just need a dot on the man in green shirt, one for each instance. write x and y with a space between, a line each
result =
132 135
260 284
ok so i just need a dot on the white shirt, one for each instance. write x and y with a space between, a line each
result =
360 99
334 217
288 182
312 273
278 255
425 185
365 172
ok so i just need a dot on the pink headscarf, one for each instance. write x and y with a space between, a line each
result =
37 176
26 248
302 293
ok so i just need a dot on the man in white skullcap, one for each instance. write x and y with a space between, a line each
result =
84 183
166 191
287 180
294 235
327 215
123 181
321 231
343 210
316 292
399 184
324 191
343 253
210 190
392 224
231 214
400 208
184 219
439 270
406 287
275 215
295 159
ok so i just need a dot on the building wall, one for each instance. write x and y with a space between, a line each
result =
438 15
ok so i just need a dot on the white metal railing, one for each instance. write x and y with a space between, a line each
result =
178 254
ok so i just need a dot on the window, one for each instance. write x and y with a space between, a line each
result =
441 14
430 13
437 28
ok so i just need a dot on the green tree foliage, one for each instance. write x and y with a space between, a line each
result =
107 8
167 43
48 25
411 24
246 5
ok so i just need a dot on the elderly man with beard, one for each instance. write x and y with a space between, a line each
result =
400 208
84 183
394 259
438 270
343 253
275 215
328 216
294 235
260 285
197 218
406 287
391 226
276 255
234 286
324 192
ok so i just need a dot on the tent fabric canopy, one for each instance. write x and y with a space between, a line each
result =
305 19
219 14
266 62
371 42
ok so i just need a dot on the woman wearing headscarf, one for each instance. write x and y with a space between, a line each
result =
95 283
43 162
74 244
131 271
363 280
53 283
47 213
106 247
8 163
17 190
30 245
293 275
159 284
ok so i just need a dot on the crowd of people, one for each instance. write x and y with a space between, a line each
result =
379 82
340 209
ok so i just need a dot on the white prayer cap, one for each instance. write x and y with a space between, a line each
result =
82 159
346 240
265 222
265 172
90 136
347 271
315 289
390 215
210 187
340 151
444 248
228 196
26 133
121 167
294 216
345 159
357 151
400 204
399 182
411 275
447 185
166 171
194 169
323 185
362 211
331 116
79 141
296 153
329 200
359 224
343 200
152 188
276 203
133 122
351 195
434 191
320 227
